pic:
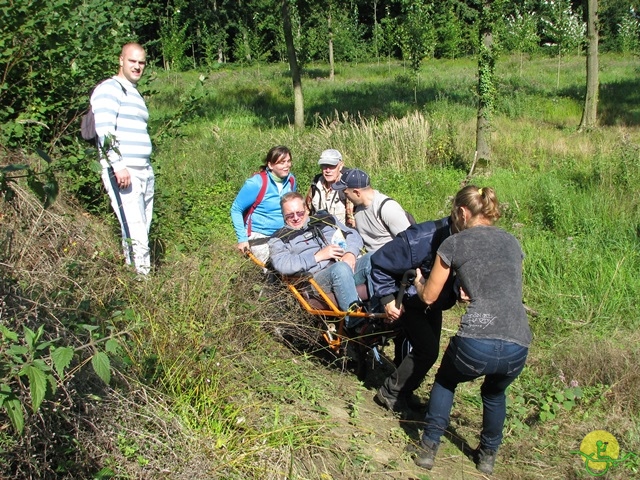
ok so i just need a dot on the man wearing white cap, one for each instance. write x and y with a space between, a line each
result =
321 197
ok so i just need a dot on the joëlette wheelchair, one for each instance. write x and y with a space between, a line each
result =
367 337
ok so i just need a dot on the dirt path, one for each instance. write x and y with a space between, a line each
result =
377 440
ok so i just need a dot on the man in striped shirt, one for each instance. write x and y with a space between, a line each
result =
125 147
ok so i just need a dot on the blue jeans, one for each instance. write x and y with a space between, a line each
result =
341 281
466 359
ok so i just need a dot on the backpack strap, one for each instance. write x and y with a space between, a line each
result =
249 211
379 213
412 221
263 189
438 237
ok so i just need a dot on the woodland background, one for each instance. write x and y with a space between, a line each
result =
200 372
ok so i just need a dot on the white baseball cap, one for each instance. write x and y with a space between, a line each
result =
330 157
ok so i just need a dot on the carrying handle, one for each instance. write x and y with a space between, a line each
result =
407 280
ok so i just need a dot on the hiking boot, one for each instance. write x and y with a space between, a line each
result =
485 459
391 402
426 454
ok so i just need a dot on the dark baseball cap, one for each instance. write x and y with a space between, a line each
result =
353 178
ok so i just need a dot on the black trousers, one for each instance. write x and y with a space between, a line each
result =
422 328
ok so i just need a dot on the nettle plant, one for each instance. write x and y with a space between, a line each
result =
31 363
533 398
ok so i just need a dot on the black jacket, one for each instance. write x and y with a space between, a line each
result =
416 247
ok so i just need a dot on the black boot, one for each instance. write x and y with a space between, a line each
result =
426 454
485 460
396 404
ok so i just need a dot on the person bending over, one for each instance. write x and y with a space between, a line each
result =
494 336
415 248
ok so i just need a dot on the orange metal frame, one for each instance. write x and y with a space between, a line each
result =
332 309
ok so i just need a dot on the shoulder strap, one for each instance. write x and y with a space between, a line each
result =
313 190
263 189
124 90
379 214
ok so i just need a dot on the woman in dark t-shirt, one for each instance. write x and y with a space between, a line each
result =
494 336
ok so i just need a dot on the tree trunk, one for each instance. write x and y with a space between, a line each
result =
331 64
486 87
293 66
589 114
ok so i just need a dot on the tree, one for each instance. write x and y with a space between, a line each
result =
521 32
486 82
563 27
628 33
293 66
588 120
417 36
331 65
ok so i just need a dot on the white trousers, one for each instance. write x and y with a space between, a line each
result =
134 209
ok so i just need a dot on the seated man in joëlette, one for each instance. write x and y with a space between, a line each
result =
324 247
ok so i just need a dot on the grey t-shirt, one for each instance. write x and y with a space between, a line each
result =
488 263
377 231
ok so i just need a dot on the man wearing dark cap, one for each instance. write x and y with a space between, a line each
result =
321 197
378 218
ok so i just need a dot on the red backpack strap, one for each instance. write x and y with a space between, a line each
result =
249 211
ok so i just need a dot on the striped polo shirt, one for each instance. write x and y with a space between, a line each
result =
124 115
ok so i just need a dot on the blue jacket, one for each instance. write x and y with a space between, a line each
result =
267 217
414 248
292 251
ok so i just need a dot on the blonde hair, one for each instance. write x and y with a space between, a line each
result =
482 203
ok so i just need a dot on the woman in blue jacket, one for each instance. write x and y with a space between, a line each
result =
255 212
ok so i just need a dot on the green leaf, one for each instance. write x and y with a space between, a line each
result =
18 350
9 334
44 155
29 337
13 407
102 366
37 187
37 385
105 474
15 167
112 345
62 357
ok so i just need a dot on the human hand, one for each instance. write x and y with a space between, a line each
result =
243 247
464 297
350 259
419 282
330 252
123 179
393 313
